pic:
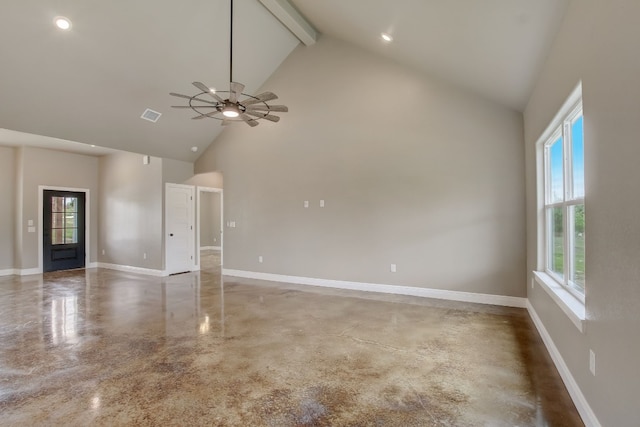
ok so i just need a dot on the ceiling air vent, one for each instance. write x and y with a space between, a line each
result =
150 115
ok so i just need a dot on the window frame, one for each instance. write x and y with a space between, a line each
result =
569 200
570 301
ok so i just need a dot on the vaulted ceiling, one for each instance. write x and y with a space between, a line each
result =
92 83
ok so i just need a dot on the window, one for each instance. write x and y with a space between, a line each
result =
564 219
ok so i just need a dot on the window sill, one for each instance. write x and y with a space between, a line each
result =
570 305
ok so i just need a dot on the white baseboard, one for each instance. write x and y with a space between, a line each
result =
8 272
587 414
29 271
205 248
381 288
132 269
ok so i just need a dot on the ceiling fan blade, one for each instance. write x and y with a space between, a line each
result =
203 87
197 106
266 96
266 116
202 116
248 120
235 90
226 122
262 107
192 97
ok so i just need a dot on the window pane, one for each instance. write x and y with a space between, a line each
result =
556 249
57 237
71 235
57 204
578 245
57 220
556 172
577 149
71 204
71 220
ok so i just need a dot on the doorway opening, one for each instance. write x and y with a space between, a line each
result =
63 230
210 242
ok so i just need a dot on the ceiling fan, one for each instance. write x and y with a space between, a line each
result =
235 106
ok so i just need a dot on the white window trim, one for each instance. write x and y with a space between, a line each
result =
570 301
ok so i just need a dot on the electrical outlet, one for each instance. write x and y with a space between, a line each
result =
144 255
322 203
306 203
103 252
260 258
592 362
393 268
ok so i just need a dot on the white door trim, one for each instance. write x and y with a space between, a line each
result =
198 219
166 215
87 222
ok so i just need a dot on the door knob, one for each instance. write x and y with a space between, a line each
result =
170 234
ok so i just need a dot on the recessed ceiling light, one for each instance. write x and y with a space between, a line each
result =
386 37
194 149
62 22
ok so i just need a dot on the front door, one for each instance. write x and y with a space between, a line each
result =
63 230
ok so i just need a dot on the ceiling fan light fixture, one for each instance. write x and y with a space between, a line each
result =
62 22
386 37
230 111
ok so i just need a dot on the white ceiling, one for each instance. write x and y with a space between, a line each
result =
92 83
492 47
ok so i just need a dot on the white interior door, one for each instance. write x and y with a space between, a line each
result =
179 230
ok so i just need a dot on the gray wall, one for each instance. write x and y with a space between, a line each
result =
176 171
131 211
598 44
209 218
208 179
37 166
7 207
413 172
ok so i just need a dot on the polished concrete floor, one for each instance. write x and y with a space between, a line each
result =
101 347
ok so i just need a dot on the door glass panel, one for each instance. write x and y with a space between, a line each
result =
71 235
557 241
71 204
57 220
71 220
57 236
57 204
